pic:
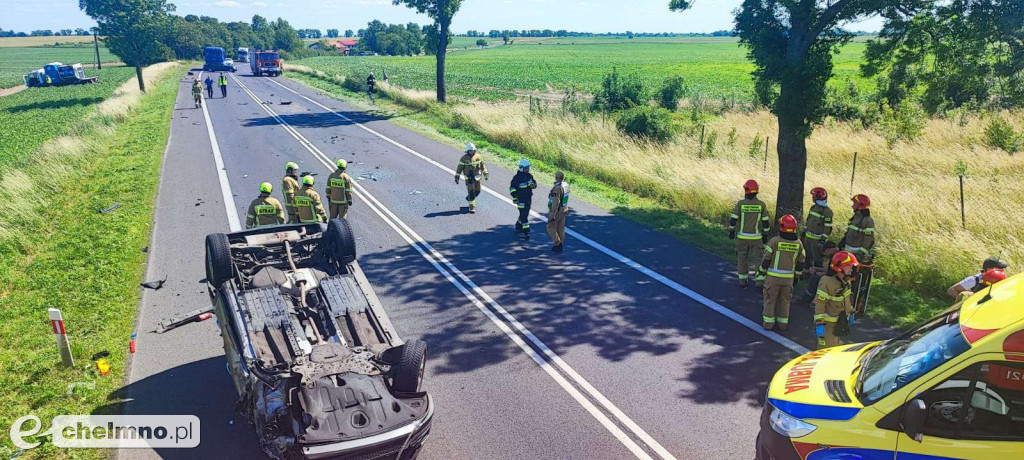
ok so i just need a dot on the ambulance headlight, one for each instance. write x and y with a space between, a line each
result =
788 426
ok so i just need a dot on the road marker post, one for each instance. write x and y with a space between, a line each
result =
57 324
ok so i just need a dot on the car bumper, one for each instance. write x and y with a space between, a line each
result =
770 444
394 444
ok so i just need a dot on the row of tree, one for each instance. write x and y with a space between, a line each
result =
333 33
47 33
392 39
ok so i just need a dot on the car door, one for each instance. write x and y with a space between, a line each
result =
975 412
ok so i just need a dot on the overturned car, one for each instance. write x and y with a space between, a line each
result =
318 366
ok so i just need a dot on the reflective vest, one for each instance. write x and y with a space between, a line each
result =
339 187
223 81
833 298
308 205
819 223
752 216
784 256
264 211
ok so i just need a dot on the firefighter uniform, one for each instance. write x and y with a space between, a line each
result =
781 266
308 205
289 186
832 299
471 167
558 208
339 193
860 236
749 223
264 211
817 230
521 189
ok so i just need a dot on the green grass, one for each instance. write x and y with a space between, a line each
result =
712 67
16 62
34 115
85 263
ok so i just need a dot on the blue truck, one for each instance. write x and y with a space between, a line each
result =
214 60
57 74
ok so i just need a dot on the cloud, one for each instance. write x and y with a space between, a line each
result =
259 4
227 4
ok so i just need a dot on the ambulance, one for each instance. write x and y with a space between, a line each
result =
951 388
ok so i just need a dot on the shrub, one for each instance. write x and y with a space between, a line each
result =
481 42
903 124
619 92
671 91
1000 134
709 145
756 146
652 123
732 138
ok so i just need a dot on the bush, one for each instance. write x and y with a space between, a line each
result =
651 123
619 93
756 146
481 42
671 91
1000 134
903 124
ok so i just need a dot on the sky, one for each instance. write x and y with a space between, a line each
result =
575 15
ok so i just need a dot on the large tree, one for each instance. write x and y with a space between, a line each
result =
791 43
442 12
134 29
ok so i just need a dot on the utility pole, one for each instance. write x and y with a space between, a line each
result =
96 45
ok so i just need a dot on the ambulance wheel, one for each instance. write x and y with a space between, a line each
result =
218 259
341 243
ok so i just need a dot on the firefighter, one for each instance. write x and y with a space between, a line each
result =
833 298
223 82
197 93
817 229
521 190
860 241
781 267
339 191
973 283
558 208
371 85
471 165
751 216
265 210
290 185
307 203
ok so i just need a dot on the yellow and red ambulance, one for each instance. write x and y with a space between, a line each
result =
951 388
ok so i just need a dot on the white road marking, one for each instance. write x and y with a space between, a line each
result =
715 306
225 187
475 294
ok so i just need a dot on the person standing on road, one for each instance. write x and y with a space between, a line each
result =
832 303
860 241
749 223
339 191
265 210
197 93
521 189
817 229
471 166
289 186
223 81
781 267
558 209
307 203
209 86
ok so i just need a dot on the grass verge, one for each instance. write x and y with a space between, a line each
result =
66 255
893 305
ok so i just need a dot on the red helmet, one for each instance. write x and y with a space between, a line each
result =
750 187
993 276
861 202
818 193
787 224
843 259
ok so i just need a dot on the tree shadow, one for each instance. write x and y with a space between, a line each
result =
312 119
454 212
58 104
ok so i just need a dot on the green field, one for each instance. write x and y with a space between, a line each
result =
34 115
713 67
16 62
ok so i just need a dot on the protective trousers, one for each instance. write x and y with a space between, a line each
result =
339 210
223 90
830 339
813 250
778 292
523 223
556 227
747 251
472 191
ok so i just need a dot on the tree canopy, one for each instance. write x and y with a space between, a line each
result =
442 12
134 30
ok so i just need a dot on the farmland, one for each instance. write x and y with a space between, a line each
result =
713 67
15 62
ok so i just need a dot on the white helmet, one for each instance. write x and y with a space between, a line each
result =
524 163
470 147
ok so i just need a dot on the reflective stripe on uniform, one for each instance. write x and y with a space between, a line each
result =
825 296
768 319
866 230
783 320
814 236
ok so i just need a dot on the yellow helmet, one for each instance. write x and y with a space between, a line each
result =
342 164
307 180
290 166
266 187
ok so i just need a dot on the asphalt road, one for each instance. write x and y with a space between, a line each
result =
629 344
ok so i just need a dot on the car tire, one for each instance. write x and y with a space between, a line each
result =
218 259
341 243
407 374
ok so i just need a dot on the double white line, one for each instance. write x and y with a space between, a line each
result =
557 369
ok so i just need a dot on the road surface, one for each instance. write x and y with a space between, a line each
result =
629 344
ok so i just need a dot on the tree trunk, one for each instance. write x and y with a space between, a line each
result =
792 149
442 49
138 74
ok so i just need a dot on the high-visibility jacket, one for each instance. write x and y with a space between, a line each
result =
289 185
263 211
752 218
522 186
860 235
833 297
222 80
819 223
308 205
558 197
471 166
783 258
339 187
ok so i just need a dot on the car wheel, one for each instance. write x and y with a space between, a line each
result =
218 259
340 241
407 375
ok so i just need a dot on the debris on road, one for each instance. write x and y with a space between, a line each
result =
193 316
154 285
284 103
415 192
110 208
145 249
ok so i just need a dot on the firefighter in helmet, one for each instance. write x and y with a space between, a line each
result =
781 267
339 191
832 303
860 241
817 229
471 166
265 210
307 203
290 185
748 225
521 189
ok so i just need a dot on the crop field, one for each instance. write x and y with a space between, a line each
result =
34 115
712 67
15 62
19 42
